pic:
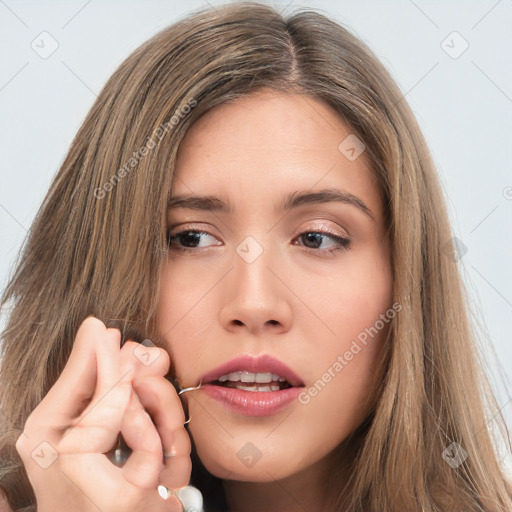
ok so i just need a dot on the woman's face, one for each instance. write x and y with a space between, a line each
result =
266 280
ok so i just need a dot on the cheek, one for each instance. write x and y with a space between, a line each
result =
179 298
182 291
343 380
356 310
350 298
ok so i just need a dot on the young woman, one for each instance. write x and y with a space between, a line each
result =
249 212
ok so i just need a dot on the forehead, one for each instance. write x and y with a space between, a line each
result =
266 145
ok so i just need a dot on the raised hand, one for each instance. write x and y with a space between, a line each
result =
105 390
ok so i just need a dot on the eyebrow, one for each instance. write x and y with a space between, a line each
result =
291 201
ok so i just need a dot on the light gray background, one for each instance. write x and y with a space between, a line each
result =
463 102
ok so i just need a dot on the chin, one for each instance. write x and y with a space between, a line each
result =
244 461
261 472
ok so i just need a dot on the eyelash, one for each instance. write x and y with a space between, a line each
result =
342 243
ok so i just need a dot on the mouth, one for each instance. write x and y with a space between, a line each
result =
253 373
252 385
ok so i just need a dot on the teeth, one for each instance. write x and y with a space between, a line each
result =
262 378
272 387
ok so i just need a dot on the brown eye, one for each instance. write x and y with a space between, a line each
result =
187 240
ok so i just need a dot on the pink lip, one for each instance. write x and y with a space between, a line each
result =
255 364
252 403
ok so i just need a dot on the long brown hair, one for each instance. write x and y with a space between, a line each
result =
99 240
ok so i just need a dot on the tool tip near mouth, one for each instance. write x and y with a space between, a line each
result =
192 388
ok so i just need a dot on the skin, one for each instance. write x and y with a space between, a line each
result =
296 301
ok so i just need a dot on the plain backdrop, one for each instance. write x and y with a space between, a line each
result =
452 60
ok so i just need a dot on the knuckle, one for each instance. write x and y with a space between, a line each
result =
92 322
20 444
85 333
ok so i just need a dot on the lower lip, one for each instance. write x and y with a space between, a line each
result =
252 403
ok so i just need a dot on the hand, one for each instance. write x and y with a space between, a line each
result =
104 390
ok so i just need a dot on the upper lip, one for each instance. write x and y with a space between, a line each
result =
255 364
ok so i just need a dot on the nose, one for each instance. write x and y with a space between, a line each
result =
256 298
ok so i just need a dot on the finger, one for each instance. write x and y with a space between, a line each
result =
69 395
145 462
99 425
97 428
177 473
76 383
160 399
145 360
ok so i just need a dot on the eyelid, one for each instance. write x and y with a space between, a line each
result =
325 228
188 225
193 226
184 226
